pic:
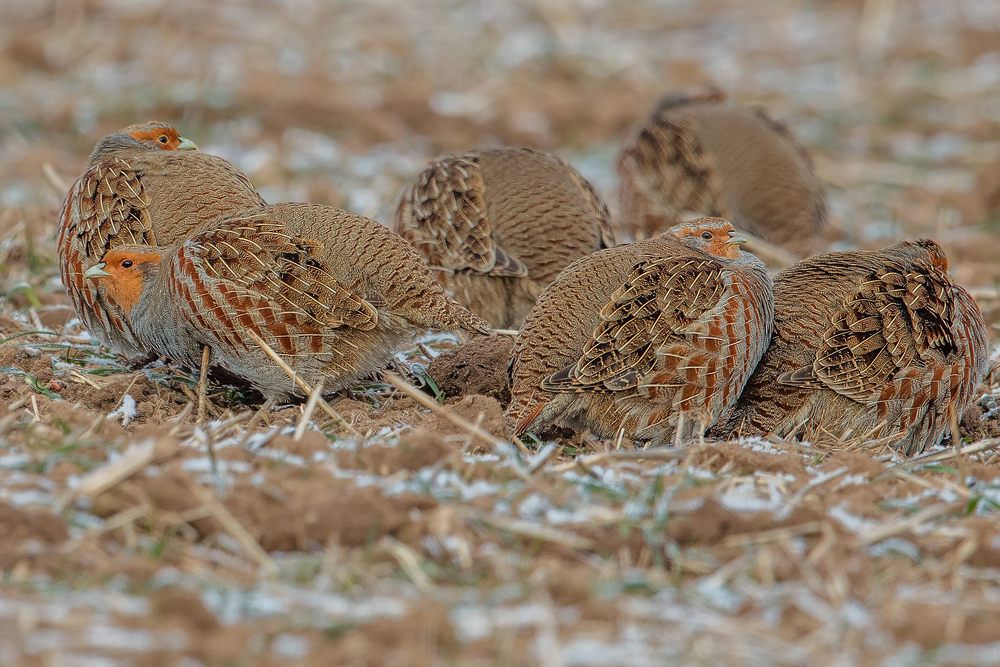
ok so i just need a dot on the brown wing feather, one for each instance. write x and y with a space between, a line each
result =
114 208
656 303
260 258
449 223
896 315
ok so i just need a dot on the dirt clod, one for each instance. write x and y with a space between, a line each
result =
477 367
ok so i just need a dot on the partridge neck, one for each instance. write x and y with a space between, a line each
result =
110 145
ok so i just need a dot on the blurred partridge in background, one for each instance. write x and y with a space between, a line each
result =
656 337
144 185
874 345
334 294
697 155
497 226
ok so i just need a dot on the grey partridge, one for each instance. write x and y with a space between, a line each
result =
700 155
876 345
144 185
497 226
655 338
334 294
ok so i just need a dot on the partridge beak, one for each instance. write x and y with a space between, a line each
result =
186 145
735 238
96 271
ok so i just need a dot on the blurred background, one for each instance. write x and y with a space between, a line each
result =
343 102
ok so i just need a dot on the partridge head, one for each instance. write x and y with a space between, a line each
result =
654 339
154 135
714 236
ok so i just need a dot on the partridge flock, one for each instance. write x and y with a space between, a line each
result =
167 251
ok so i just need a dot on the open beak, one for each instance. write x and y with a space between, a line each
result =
96 271
186 145
735 238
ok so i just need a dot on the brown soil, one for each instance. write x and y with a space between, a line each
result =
477 367
26 534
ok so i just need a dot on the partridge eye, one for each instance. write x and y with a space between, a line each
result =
163 139
127 264
706 235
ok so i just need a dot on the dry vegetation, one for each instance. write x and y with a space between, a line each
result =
132 535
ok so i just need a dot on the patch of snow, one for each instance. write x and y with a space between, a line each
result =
126 411
855 524
895 545
14 460
290 646
744 498
718 594
31 497
852 480
204 464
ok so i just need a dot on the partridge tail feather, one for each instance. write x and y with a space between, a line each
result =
449 316
804 377
508 266
522 424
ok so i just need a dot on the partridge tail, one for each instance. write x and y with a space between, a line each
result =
521 413
449 315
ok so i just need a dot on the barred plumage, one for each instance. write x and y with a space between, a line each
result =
497 226
333 293
142 187
635 336
878 345
697 154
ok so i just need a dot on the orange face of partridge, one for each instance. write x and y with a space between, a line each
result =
121 274
159 135
713 235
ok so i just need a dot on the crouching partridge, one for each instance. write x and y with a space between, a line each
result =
144 185
655 338
698 154
497 226
877 345
334 294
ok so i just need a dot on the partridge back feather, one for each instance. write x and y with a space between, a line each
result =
131 194
697 154
867 344
635 336
498 225
333 293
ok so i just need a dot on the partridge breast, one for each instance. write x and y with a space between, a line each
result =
137 190
497 226
698 155
874 345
